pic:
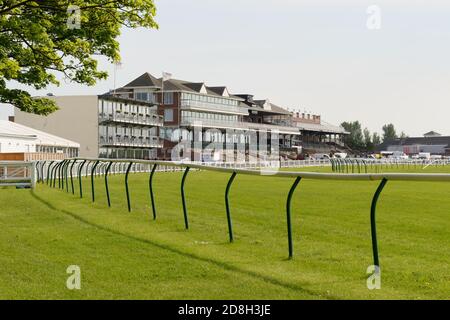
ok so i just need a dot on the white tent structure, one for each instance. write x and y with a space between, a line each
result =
17 138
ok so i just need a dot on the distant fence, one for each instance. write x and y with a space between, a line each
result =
359 165
17 174
62 175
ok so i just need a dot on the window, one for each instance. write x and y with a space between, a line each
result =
168 114
168 97
143 96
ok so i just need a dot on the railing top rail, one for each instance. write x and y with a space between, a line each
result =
287 174
15 162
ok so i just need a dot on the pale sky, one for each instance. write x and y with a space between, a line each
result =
315 55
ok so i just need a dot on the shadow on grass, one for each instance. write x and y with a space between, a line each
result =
220 264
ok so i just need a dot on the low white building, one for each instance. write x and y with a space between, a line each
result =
19 139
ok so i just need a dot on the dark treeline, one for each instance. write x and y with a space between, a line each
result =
363 140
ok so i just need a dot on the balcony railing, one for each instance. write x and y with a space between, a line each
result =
214 123
152 120
194 104
142 142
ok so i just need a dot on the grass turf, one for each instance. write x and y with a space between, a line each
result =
129 256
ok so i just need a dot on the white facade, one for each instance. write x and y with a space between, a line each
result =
17 143
17 138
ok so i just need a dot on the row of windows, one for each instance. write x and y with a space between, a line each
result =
194 115
152 97
209 99
146 96
111 107
207 136
127 131
127 153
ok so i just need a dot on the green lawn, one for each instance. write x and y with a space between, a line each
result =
129 256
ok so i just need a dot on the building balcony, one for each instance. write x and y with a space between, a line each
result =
212 107
213 123
221 124
138 142
153 120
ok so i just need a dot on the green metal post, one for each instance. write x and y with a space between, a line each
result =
150 187
42 171
56 173
60 173
373 227
49 177
66 175
227 206
92 179
126 186
80 178
38 176
106 183
183 200
288 215
71 176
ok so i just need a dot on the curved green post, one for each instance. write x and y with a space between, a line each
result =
71 175
38 176
227 206
150 187
80 178
66 174
373 227
55 173
126 186
60 173
183 200
106 183
49 178
51 172
288 214
92 179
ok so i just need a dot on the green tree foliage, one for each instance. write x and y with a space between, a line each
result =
376 139
368 143
389 132
41 39
355 139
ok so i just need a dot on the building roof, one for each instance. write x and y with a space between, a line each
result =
144 80
432 134
14 129
321 127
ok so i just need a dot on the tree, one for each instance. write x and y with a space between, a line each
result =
355 138
41 39
389 132
368 140
376 140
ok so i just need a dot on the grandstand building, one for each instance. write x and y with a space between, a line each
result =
105 126
235 121
149 118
